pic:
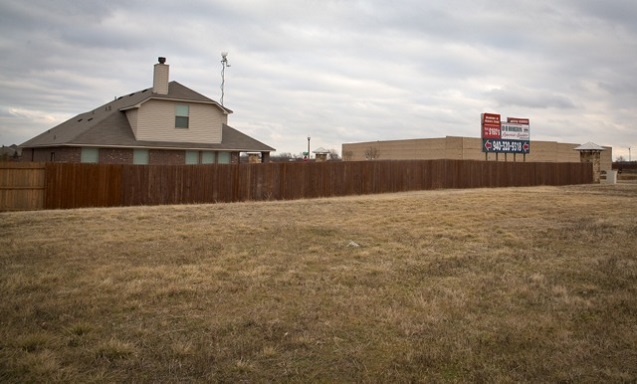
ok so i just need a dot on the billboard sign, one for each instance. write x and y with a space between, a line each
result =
490 126
515 131
506 146
518 120
512 136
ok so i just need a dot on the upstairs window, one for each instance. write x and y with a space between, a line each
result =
182 113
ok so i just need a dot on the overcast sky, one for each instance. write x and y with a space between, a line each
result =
339 71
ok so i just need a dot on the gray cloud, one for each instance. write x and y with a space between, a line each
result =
337 70
530 98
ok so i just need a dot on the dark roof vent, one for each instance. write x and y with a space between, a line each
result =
162 60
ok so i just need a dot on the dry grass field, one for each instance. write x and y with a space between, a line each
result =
488 285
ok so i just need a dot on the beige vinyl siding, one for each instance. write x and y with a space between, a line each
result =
132 115
156 122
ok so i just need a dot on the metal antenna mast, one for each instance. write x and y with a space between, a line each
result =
224 64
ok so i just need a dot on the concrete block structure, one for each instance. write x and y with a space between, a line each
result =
167 124
592 153
320 154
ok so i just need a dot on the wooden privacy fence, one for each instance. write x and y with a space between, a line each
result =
22 186
62 185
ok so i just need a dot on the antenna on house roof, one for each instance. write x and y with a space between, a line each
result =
224 64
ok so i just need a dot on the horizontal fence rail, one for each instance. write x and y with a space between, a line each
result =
64 185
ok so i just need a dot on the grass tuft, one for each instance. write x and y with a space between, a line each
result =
115 350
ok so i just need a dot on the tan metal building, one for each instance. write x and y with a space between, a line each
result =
463 148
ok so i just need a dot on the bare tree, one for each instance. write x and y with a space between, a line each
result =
372 153
283 157
333 155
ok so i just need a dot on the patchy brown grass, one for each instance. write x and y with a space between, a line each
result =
490 285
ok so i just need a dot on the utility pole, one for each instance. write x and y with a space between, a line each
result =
308 147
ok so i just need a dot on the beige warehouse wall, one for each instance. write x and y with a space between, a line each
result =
418 149
465 148
607 159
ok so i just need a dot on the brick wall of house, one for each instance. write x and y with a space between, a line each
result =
110 155
57 154
165 157
116 156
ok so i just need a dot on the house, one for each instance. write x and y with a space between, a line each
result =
10 153
166 124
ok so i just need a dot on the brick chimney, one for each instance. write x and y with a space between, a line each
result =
160 77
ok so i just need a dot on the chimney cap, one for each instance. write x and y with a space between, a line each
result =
162 60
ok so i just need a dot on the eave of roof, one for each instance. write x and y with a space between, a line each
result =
114 132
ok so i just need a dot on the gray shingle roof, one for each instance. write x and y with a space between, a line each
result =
320 150
590 146
107 126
